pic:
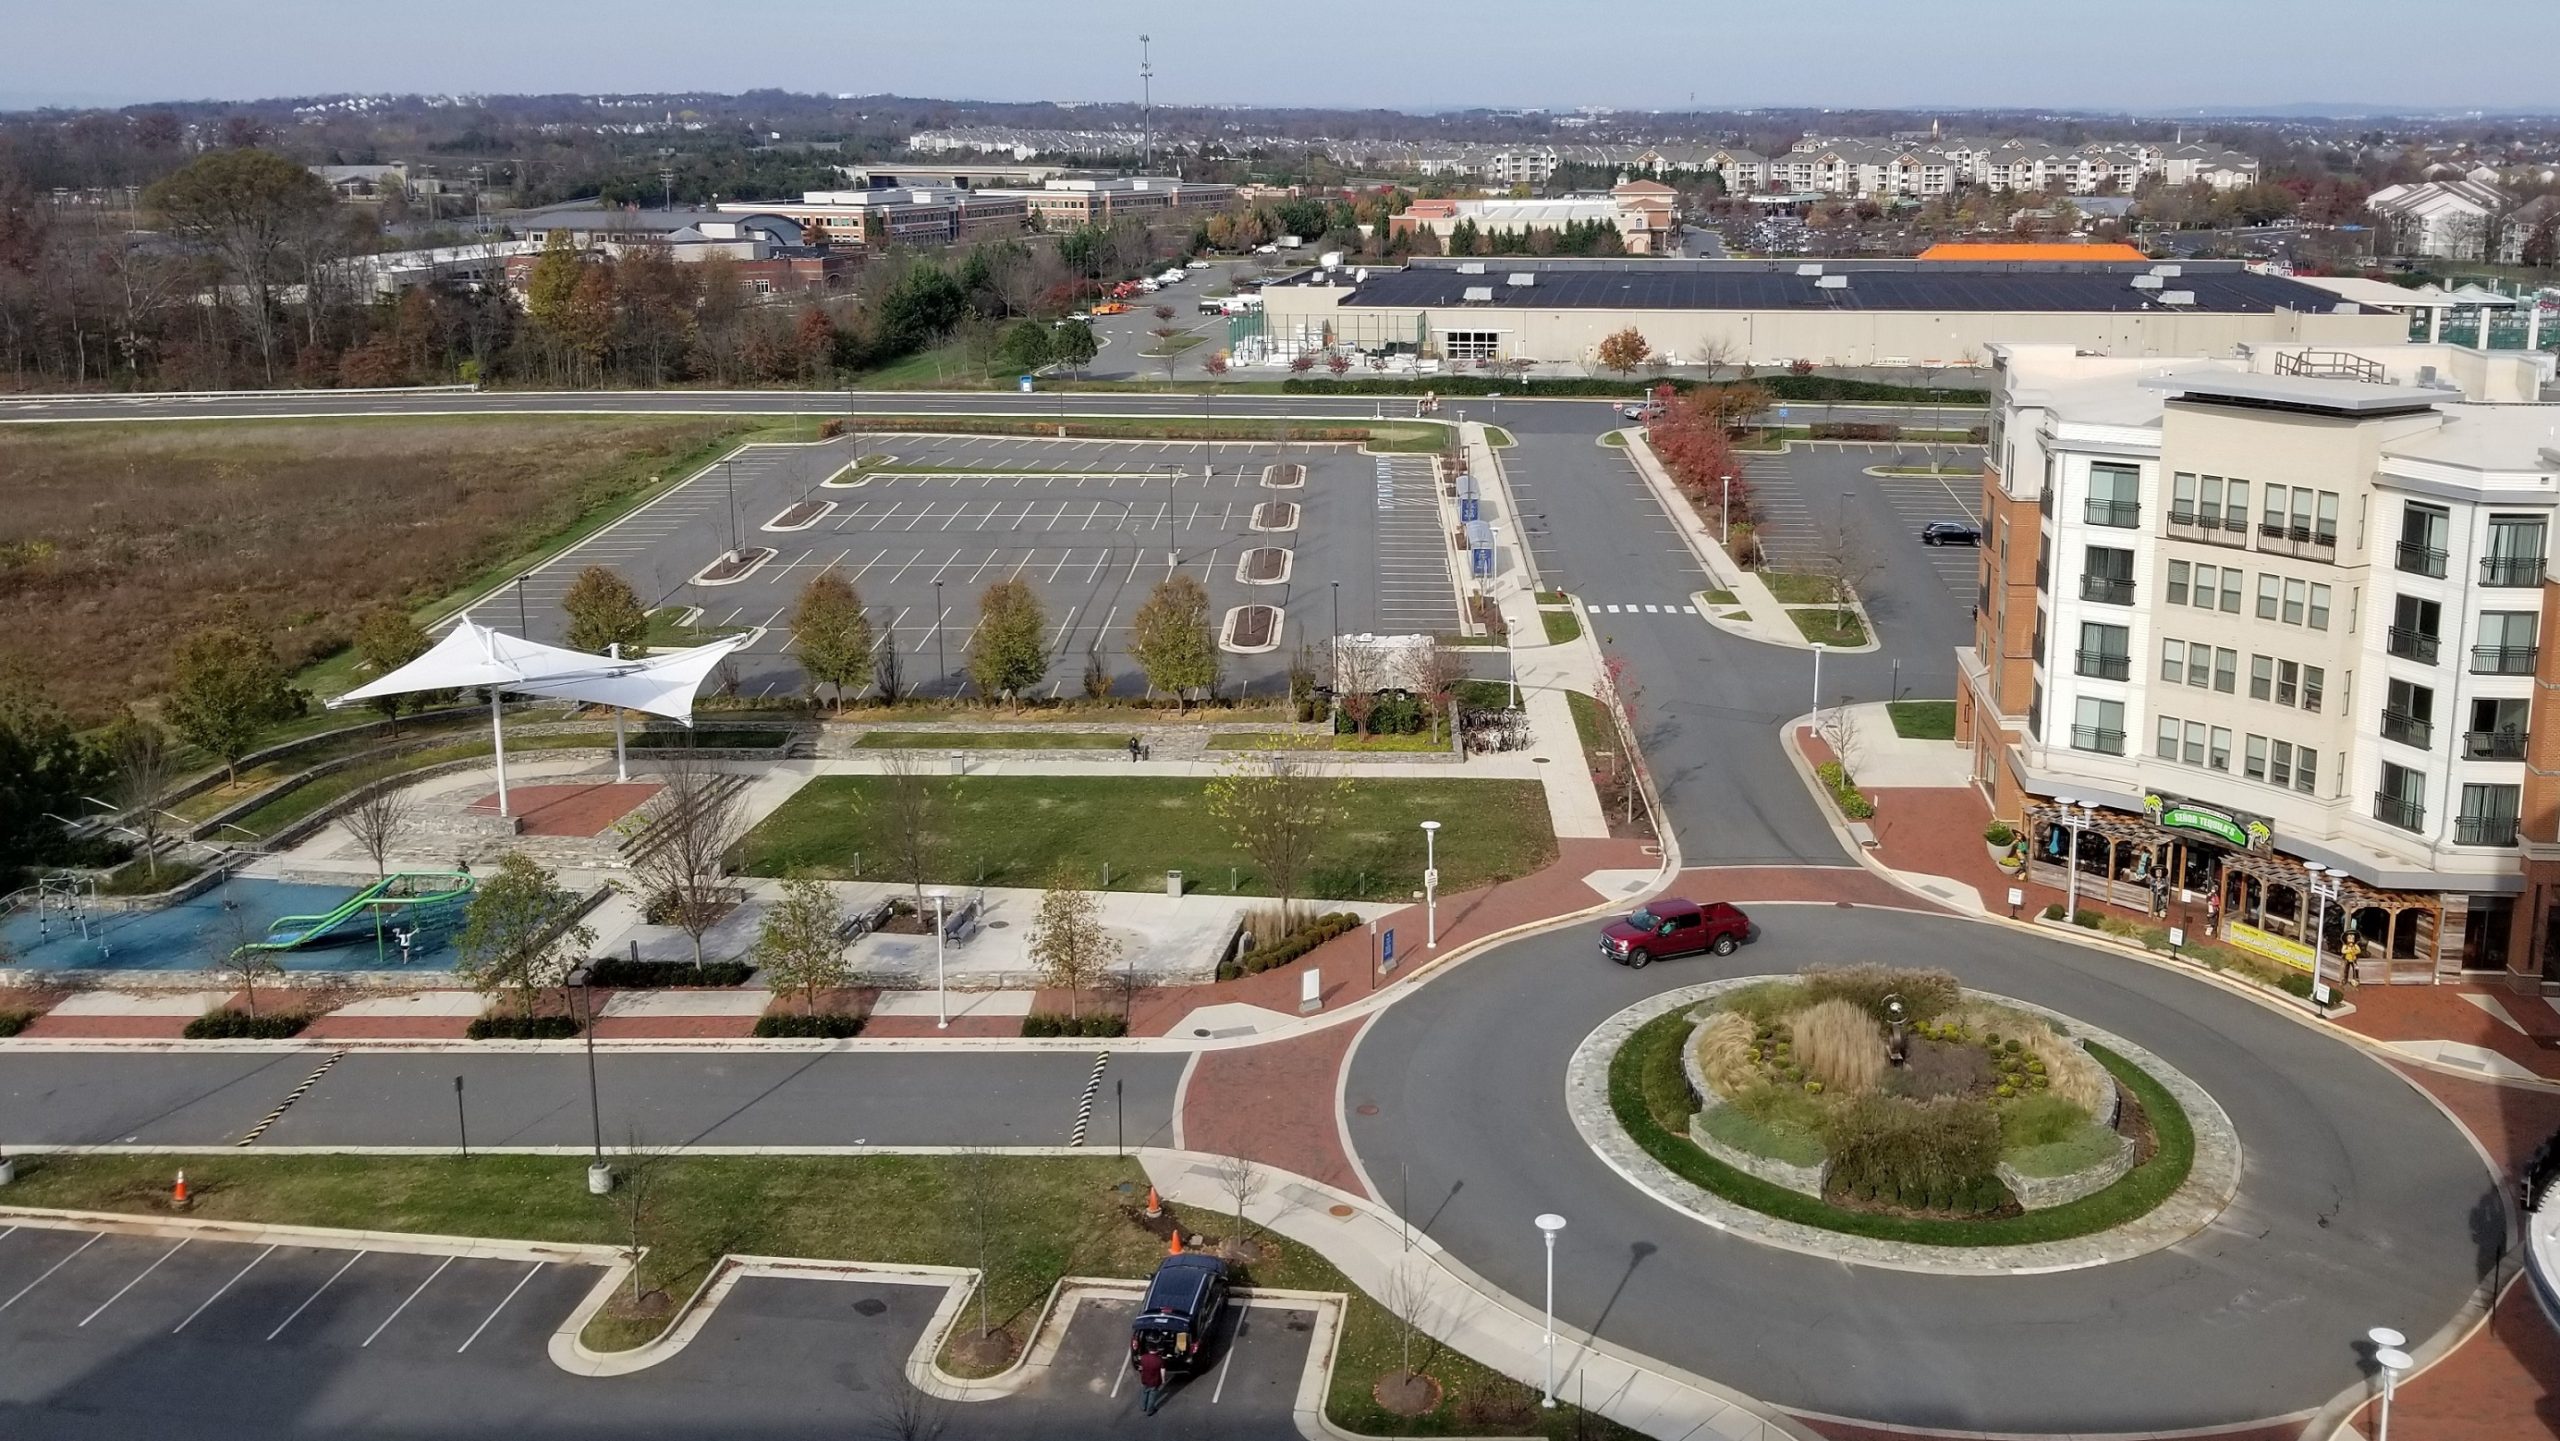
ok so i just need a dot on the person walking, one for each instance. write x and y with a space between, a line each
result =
1150 1381
1133 750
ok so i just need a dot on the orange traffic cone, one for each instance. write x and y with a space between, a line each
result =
1155 1207
1175 1249
178 1193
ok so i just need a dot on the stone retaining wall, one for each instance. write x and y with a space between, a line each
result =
2039 1193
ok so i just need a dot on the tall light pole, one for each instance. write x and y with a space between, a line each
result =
1724 513
1146 108
941 990
941 660
2324 887
729 472
1549 1223
2393 1361
2070 858
1431 884
1817 687
599 1175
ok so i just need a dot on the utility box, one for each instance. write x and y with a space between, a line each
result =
1173 884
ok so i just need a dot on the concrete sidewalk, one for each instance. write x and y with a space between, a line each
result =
1768 622
1378 1253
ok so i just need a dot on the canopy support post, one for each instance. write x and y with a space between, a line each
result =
498 742
621 772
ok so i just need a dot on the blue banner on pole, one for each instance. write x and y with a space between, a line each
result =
1387 945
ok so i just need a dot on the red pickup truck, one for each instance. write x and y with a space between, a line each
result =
1673 927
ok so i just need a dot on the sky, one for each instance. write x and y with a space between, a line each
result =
2155 55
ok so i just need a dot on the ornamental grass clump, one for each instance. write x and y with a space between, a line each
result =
1924 994
1726 1053
1918 1155
1840 1046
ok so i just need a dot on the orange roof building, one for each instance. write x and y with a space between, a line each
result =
2020 251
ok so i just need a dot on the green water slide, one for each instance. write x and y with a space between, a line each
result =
403 898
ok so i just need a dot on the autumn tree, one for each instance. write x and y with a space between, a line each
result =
1069 943
386 639
800 944
832 635
1010 651
1278 807
1174 640
1623 351
605 611
227 688
513 938
245 209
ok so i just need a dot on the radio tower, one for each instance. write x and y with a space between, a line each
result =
1146 109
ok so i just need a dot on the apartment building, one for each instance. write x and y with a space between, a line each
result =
2265 633
917 215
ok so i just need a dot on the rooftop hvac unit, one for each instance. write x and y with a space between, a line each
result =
1808 270
2167 270
1472 267
2177 297
1524 277
2146 282
1476 293
1831 282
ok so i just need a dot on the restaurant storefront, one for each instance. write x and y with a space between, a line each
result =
2217 871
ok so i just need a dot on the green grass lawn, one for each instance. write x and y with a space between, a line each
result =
1025 739
1013 830
1497 437
1562 626
1923 720
1650 1094
1046 1217
1165 345
667 630
1617 438
1796 588
1829 626
253 779
1553 597
1409 438
1723 597
1291 740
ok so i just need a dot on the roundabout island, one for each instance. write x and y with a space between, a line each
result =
2218 1282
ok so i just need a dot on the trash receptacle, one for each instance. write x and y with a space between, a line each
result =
1025 383
959 763
1173 883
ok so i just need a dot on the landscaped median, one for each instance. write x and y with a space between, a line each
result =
1030 1220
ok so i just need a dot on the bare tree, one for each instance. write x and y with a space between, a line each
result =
888 671
1443 670
913 812
1844 567
1407 1297
683 855
898 1410
237 952
985 1184
1242 1178
1841 731
1715 353
637 1195
379 824
145 763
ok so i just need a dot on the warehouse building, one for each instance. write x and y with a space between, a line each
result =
1828 312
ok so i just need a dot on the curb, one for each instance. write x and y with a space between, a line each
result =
1721 569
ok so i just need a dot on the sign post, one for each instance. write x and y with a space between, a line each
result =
1387 951
1310 991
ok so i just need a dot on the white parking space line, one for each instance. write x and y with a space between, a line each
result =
1227 1362
227 1285
404 1305
136 1281
49 1270
314 1296
866 565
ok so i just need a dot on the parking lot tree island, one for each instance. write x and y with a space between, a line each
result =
604 611
1176 642
833 637
1010 652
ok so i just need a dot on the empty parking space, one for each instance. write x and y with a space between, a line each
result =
1256 1356
1917 500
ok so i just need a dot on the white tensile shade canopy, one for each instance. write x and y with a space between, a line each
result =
472 654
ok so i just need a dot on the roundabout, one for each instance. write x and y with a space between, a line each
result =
2356 1203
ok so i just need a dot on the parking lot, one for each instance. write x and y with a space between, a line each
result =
927 522
1809 495
117 1336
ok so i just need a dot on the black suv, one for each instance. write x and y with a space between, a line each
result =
1183 1303
1950 532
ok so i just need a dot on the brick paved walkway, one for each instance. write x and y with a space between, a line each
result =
2441 1013
1274 1103
569 809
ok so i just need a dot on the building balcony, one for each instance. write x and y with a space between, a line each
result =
2504 659
2408 730
2511 570
2414 645
2393 810
2484 830
2501 745
2419 559
2121 514
2106 590
2211 527
2299 541
2098 739
2102 664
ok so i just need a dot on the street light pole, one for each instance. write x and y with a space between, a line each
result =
599 1175
1431 884
2393 1361
1724 513
1817 687
941 989
621 770
1548 1224
729 471
2324 884
2070 858
941 658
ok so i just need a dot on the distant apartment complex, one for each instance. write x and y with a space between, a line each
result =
2268 632
941 215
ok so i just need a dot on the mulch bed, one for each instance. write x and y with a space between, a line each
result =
1276 515
1406 1393
804 510
991 1351
1265 562
731 567
1255 624
1284 477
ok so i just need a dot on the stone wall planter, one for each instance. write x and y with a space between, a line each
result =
2039 1193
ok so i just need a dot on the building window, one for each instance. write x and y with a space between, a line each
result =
2106 575
1471 344
2199 664
2178 572
2408 714
2218 751
2402 801
2515 551
2497 730
2253 758
2424 532
2114 495
2194 751
2417 628
2488 815
2300 515
2165 743
2270 591
2105 651
2319 607
2226 670
2262 677
2315 687
2204 501
2098 725
2509 643
2173 661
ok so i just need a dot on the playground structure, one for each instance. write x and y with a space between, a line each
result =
417 905
66 901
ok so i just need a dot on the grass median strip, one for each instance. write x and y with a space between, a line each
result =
1047 1217
1828 626
1013 830
1006 740
1923 720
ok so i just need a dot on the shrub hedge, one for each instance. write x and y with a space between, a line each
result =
521 1028
828 1025
1288 948
1921 1156
1816 388
623 973
1844 790
1926 995
12 1022
1854 430
233 1025
1050 1023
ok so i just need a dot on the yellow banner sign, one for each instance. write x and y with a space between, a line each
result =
2268 944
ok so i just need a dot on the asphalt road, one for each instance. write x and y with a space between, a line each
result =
2360 1205
658 1098
119 1337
